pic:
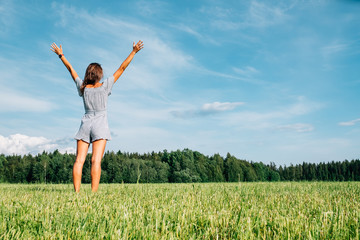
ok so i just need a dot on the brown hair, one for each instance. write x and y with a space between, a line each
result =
93 74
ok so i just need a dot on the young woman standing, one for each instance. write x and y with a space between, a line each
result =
94 125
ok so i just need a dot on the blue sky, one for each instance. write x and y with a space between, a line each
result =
270 81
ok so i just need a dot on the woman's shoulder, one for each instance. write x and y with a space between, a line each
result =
108 84
78 83
109 79
78 80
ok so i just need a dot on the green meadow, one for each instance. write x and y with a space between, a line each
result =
262 210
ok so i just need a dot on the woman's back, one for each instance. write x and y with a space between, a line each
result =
95 99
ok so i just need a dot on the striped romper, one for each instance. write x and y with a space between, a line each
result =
94 123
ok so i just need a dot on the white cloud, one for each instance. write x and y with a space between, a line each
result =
207 109
247 79
151 8
273 119
297 127
23 144
349 123
261 15
246 71
334 48
303 106
257 15
7 12
220 106
332 51
201 37
13 101
189 30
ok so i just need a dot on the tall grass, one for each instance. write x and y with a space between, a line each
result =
290 210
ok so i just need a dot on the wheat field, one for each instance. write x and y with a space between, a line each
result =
282 210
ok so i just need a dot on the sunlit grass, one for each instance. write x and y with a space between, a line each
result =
288 210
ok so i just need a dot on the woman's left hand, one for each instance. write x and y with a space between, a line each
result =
137 47
56 49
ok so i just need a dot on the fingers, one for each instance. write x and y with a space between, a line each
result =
54 46
140 44
56 49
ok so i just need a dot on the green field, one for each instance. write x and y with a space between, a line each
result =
290 210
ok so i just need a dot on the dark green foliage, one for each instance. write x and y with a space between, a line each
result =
163 167
233 170
2 168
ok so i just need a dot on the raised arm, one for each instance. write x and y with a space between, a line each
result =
136 47
59 52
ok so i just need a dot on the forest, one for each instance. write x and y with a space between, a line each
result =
181 166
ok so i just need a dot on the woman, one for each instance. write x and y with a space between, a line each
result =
94 126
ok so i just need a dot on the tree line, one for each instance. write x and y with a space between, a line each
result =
168 167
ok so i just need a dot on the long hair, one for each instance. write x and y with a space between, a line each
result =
93 74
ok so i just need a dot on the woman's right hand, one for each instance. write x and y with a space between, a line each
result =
56 49
137 47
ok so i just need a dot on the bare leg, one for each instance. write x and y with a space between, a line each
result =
98 148
81 152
